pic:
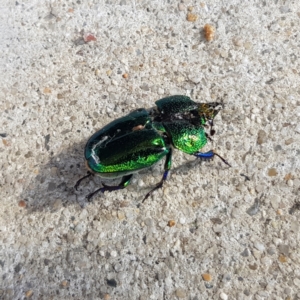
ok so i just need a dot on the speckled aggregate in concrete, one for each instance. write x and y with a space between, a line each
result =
63 67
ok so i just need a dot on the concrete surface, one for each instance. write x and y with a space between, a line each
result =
69 68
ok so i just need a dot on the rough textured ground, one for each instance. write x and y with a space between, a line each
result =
69 68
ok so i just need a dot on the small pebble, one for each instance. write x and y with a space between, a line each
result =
288 176
191 17
253 267
218 228
64 283
141 182
282 258
226 278
228 145
259 246
272 172
83 215
275 201
267 261
79 228
180 293
271 250
182 220
223 296
256 253
112 282
224 54
206 277
121 215
88 37
245 253
209 33
237 42
171 223
248 45
287 290
6 142
277 148
47 90
181 7
298 128
148 222
297 282
161 91
261 137
284 249
277 241
275 224
216 220
106 296
113 253
254 209
118 267
57 204
284 9
289 141
294 226
29 293
22 203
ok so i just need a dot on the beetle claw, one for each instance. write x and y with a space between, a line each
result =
91 195
158 186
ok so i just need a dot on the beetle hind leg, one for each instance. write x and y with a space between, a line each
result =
167 168
82 178
123 184
209 155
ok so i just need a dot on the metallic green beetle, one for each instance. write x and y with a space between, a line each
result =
143 137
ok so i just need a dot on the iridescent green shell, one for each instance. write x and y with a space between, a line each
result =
186 137
124 146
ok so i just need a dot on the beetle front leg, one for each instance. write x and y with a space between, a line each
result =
167 168
123 184
209 155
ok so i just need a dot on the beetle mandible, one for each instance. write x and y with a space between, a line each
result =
143 137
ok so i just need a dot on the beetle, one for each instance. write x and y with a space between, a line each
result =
143 137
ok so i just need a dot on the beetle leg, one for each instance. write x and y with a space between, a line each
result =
79 181
167 168
209 155
212 131
123 184
208 137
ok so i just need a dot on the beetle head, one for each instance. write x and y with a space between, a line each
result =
208 111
